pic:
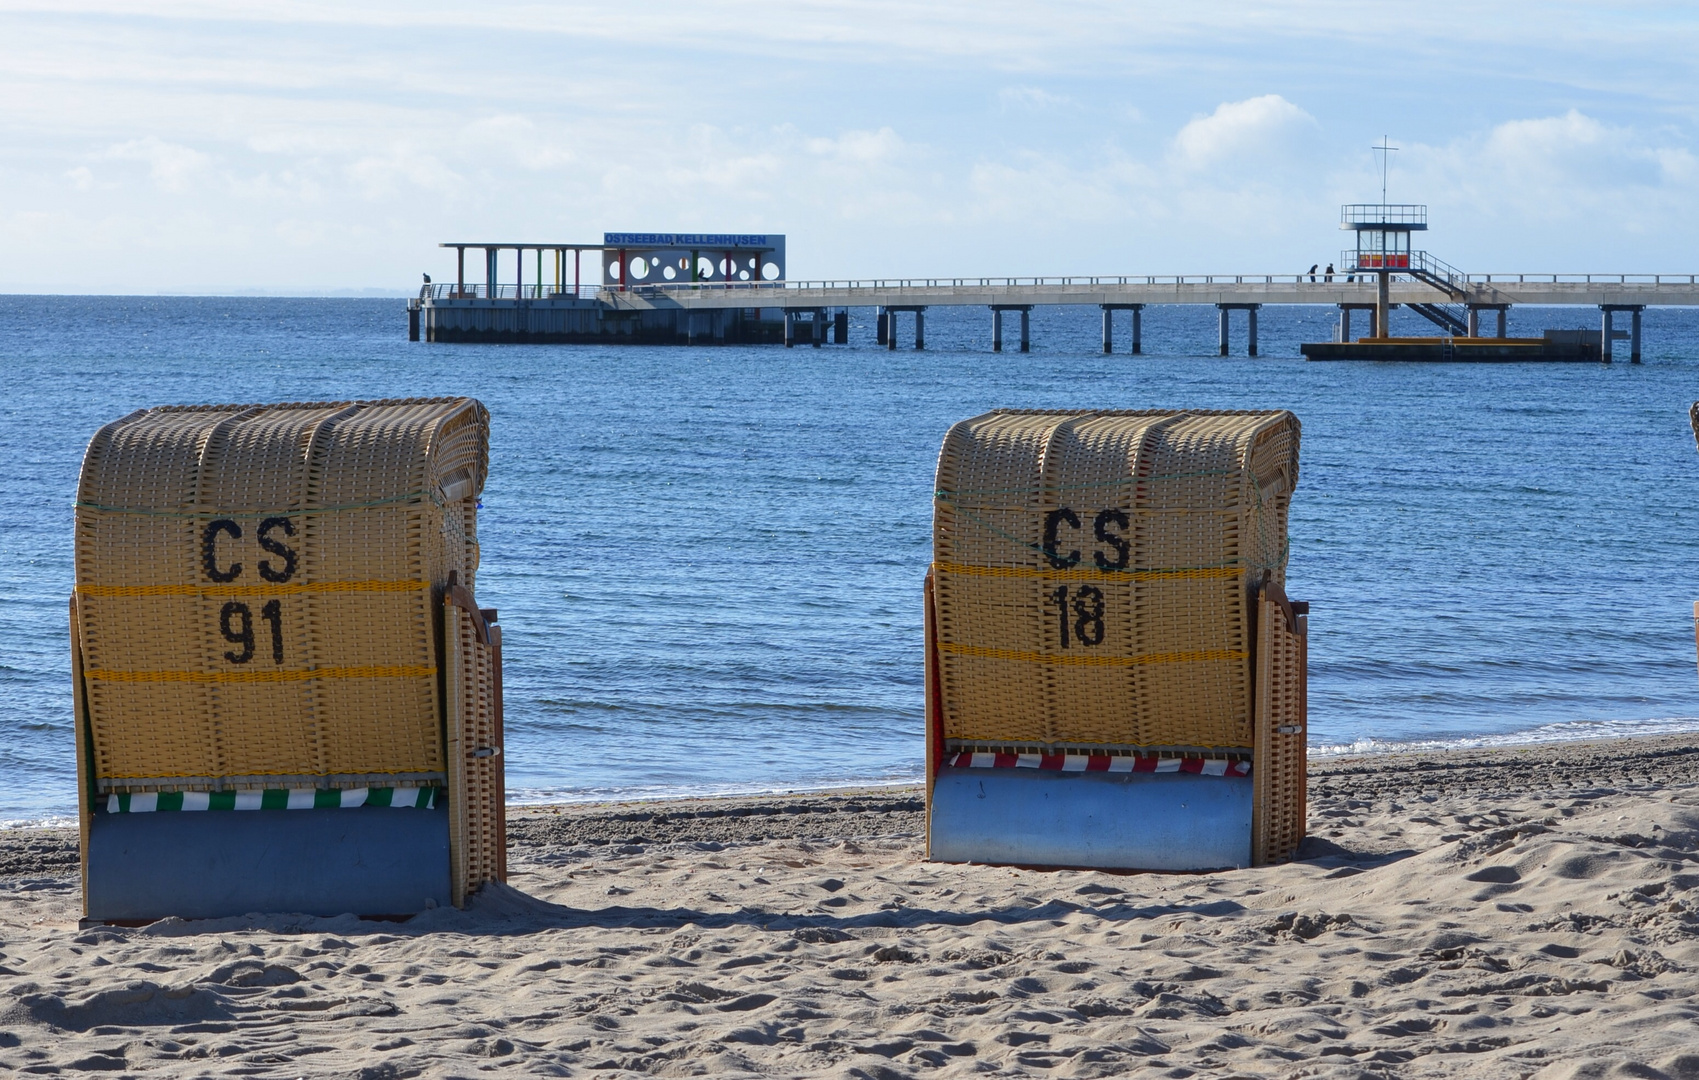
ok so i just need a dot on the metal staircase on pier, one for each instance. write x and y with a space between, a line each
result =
1452 317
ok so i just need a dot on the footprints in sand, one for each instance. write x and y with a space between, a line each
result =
1372 959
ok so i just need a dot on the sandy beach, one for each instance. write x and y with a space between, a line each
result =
1525 912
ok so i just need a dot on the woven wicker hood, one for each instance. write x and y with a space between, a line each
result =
1095 570
256 590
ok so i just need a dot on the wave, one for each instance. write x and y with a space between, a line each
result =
655 792
1567 731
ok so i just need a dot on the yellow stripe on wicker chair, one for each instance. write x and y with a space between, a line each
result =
1092 660
1092 573
369 671
290 589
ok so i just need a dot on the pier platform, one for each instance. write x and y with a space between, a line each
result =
567 318
1465 350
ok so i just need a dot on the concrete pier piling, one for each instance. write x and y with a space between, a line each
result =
1609 333
890 341
1383 303
1109 326
1474 318
1250 311
997 325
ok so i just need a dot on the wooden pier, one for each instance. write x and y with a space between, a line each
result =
731 289
760 313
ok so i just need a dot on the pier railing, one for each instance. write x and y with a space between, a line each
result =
982 282
544 291
1318 279
1583 279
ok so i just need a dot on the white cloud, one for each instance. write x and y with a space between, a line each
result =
400 169
861 147
1575 150
1247 135
171 166
1030 99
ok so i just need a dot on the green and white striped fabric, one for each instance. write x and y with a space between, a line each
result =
424 798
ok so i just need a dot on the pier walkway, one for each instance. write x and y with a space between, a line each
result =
1488 290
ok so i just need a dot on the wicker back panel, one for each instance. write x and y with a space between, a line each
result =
1092 573
256 590
1279 806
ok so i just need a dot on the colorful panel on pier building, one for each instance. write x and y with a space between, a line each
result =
655 258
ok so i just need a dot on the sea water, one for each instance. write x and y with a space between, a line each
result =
708 561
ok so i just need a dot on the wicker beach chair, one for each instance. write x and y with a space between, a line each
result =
274 613
1115 675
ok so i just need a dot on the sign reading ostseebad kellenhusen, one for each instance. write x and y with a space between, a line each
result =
636 258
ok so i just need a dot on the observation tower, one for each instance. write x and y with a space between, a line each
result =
1384 248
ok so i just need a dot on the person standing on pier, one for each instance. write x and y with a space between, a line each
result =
1313 267
1327 275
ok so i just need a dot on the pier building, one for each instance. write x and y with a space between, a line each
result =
732 288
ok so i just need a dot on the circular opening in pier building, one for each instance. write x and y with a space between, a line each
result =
640 268
743 275
669 272
704 268
727 266
770 271
613 269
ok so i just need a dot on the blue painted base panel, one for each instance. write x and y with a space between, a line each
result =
1110 821
365 861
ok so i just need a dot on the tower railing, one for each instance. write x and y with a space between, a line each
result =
1406 214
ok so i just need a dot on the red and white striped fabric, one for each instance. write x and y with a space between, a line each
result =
1114 763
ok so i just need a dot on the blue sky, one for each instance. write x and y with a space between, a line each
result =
316 147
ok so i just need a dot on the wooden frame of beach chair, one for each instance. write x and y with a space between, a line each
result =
274 612
1693 421
1140 706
